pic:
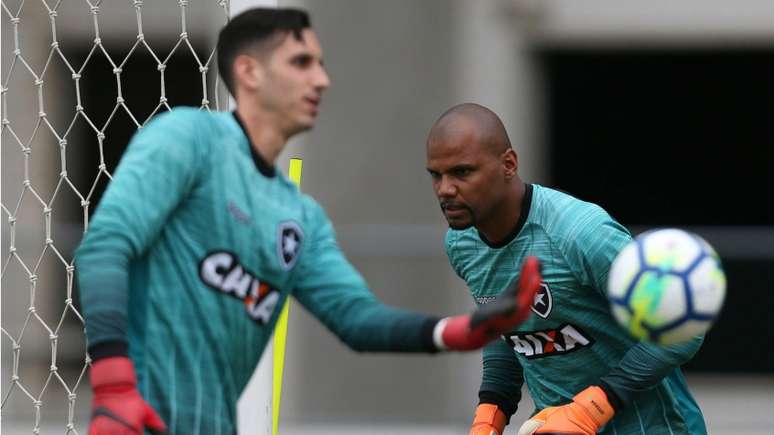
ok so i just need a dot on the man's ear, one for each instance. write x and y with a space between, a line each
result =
510 162
248 73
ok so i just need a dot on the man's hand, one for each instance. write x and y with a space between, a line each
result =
489 420
589 411
117 407
473 331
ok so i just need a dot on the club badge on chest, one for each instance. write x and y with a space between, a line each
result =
289 240
543 302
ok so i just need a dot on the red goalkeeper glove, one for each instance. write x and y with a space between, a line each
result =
489 420
117 407
473 331
589 411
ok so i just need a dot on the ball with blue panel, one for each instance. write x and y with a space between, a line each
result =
666 286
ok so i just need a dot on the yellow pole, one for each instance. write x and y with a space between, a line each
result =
281 331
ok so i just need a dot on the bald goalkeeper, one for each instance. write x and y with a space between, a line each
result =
584 373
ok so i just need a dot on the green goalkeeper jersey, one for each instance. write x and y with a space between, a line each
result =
189 257
571 340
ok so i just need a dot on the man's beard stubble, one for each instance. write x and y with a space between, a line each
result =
463 225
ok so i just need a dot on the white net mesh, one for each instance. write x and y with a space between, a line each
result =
78 78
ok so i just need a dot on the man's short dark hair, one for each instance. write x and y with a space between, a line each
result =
251 29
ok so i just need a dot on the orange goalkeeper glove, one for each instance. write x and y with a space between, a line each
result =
588 411
511 308
489 420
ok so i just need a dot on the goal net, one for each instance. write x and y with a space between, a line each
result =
79 78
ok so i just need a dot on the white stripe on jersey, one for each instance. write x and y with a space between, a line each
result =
663 411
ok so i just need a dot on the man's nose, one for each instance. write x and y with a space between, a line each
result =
446 188
321 79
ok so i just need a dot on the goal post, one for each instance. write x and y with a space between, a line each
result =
255 408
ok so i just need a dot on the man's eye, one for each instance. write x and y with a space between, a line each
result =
463 172
302 61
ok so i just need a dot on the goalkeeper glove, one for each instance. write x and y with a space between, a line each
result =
588 411
117 407
489 420
473 331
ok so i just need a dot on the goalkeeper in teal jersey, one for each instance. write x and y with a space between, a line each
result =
585 374
198 241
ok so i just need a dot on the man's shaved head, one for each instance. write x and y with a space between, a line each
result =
473 122
474 169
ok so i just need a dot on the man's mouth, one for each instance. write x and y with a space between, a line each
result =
451 209
314 101
451 206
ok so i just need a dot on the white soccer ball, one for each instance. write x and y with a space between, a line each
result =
666 286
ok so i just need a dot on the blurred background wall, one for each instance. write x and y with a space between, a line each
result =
658 111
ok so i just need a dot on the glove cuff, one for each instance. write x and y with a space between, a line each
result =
113 371
490 414
594 401
438 334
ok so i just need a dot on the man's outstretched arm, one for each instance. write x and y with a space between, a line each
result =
332 290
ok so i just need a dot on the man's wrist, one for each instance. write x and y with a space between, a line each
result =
612 396
427 334
107 349
503 403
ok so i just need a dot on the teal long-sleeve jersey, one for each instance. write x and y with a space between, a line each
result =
571 340
189 257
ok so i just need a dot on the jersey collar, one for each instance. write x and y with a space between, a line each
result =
262 165
526 203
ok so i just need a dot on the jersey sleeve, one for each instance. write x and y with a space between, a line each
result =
156 172
502 377
334 292
592 245
591 248
644 366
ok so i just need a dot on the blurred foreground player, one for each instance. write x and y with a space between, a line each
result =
583 371
199 240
